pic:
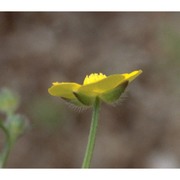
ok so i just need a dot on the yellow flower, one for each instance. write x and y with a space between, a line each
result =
107 88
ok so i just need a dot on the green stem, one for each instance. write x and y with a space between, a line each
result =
5 153
92 135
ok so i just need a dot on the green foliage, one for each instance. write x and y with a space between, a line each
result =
9 101
14 125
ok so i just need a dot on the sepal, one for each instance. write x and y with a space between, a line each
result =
114 94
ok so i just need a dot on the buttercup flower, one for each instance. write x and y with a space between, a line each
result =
95 88
106 88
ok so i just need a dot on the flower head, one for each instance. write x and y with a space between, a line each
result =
107 88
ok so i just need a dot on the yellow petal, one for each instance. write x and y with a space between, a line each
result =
101 86
106 84
64 90
131 76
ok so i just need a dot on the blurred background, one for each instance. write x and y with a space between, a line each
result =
142 131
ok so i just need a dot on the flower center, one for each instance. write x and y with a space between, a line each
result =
94 77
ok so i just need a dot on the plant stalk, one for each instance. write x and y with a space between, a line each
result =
6 150
92 135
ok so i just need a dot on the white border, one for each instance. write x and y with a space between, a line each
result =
89 174
89 5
